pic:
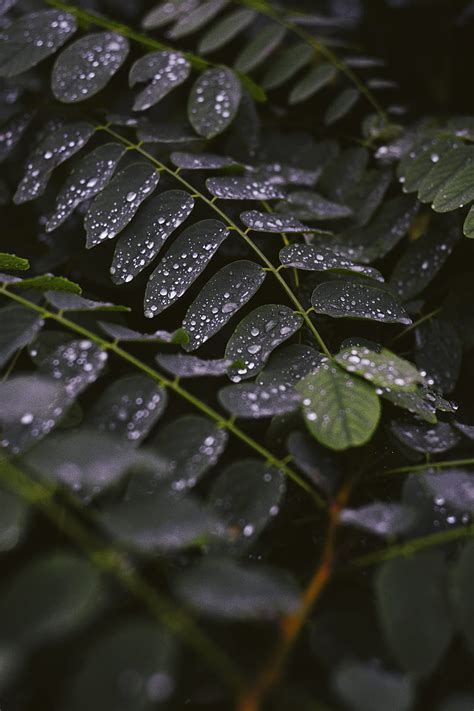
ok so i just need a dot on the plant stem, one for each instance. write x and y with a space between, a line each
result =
173 385
120 566
253 698
230 223
430 465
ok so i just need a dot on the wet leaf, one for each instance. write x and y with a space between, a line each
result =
255 401
380 518
143 238
468 228
370 688
286 64
260 48
341 106
86 180
414 611
243 188
11 261
340 411
129 408
48 282
201 161
317 78
87 65
48 599
118 202
166 12
128 335
224 294
224 589
257 335
12 132
438 438
317 206
163 70
321 259
346 299
267 222
439 352
188 366
458 190
435 180
225 30
246 496
32 38
382 368
30 406
18 326
193 19
105 680
184 261
53 150
67 301
289 364
455 487
161 521
214 101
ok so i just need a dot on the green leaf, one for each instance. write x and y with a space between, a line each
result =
256 401
380 518
68 301
346 299
87 65
49 598
127 335
224 589
86 180
370 688
340 411
14 516
317 206
420 402
289 364
246 496
268 222
129 408
417 164
53 150
382 368
201 161
257 335
439 352
160 521
163 70
463 593
321 259
442 172
12 133
184 261
188 366
414 610
455 486
286 64
190 446
193 19
32 38
220 298
317 78
11 261
214 101
118 202
143 238
225 30
30 406
48 282
341 106
76 364
458 190
166 12
18 326
260 48
131 644
468 228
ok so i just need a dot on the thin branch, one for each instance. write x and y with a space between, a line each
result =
429 465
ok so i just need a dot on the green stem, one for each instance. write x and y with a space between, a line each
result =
91 18
265 8
230 223
119 565
172 385
411 547
430 465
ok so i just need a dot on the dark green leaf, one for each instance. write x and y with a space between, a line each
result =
201 161
18 326
370 688
440 437
317 206
225 30
223 295
193 19
414 610
67 301
317 78
115 206
380 518
289 364
341 105
455 487
381 368
340 411
255 401
214 101
184 261
286 64
260 48
188 366
163 70
243 188
346 299
321 259
257 335
75 364
122 333
143 238
87 65
439 352
166 12
267 222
